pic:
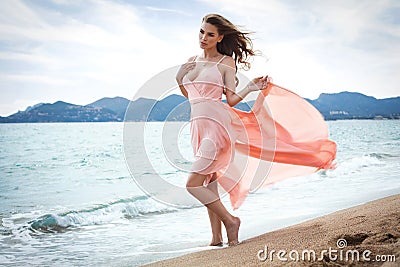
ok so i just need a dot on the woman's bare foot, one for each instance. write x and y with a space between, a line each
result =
216 244
233 232
216 240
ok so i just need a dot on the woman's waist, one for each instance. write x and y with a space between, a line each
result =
212 108
202 99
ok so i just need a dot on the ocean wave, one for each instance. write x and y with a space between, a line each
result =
381 155
357 164
113 212
5 232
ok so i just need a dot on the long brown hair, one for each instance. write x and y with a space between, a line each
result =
235 43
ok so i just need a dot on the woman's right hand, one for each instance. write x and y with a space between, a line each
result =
183 70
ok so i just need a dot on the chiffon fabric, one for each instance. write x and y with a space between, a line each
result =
281 136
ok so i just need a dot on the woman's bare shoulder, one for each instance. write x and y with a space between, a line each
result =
228 63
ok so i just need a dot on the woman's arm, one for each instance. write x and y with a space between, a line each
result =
183 70
183 90
233 97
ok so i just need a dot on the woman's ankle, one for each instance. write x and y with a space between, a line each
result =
228 220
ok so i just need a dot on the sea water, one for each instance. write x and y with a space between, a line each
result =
68 199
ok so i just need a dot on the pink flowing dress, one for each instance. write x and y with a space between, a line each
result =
282 136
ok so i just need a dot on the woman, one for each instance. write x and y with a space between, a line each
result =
217 130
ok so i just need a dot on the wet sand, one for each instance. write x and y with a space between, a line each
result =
373 226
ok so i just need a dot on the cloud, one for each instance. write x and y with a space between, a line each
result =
324 46
41 79
100 49
168 10
79 51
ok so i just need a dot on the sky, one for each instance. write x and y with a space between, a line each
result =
80 51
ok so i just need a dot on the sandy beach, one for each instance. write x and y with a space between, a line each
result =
364 235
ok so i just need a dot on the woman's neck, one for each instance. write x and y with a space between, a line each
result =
210 53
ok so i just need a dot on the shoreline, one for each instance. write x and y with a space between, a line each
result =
123 121
371 231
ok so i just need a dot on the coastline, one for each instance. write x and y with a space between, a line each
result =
373 226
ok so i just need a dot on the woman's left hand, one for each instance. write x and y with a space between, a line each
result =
259 83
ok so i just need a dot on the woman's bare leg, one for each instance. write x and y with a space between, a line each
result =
215 221
195 187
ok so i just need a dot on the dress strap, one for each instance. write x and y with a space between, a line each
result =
221 59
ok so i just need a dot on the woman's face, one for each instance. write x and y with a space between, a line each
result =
208 36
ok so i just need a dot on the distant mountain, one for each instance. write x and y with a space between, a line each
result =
62 112
171 108
116 104
344 105
142 107
33 107
350 105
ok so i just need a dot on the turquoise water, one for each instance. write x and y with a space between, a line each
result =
67 197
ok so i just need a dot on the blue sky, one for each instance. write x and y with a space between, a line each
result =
79 51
